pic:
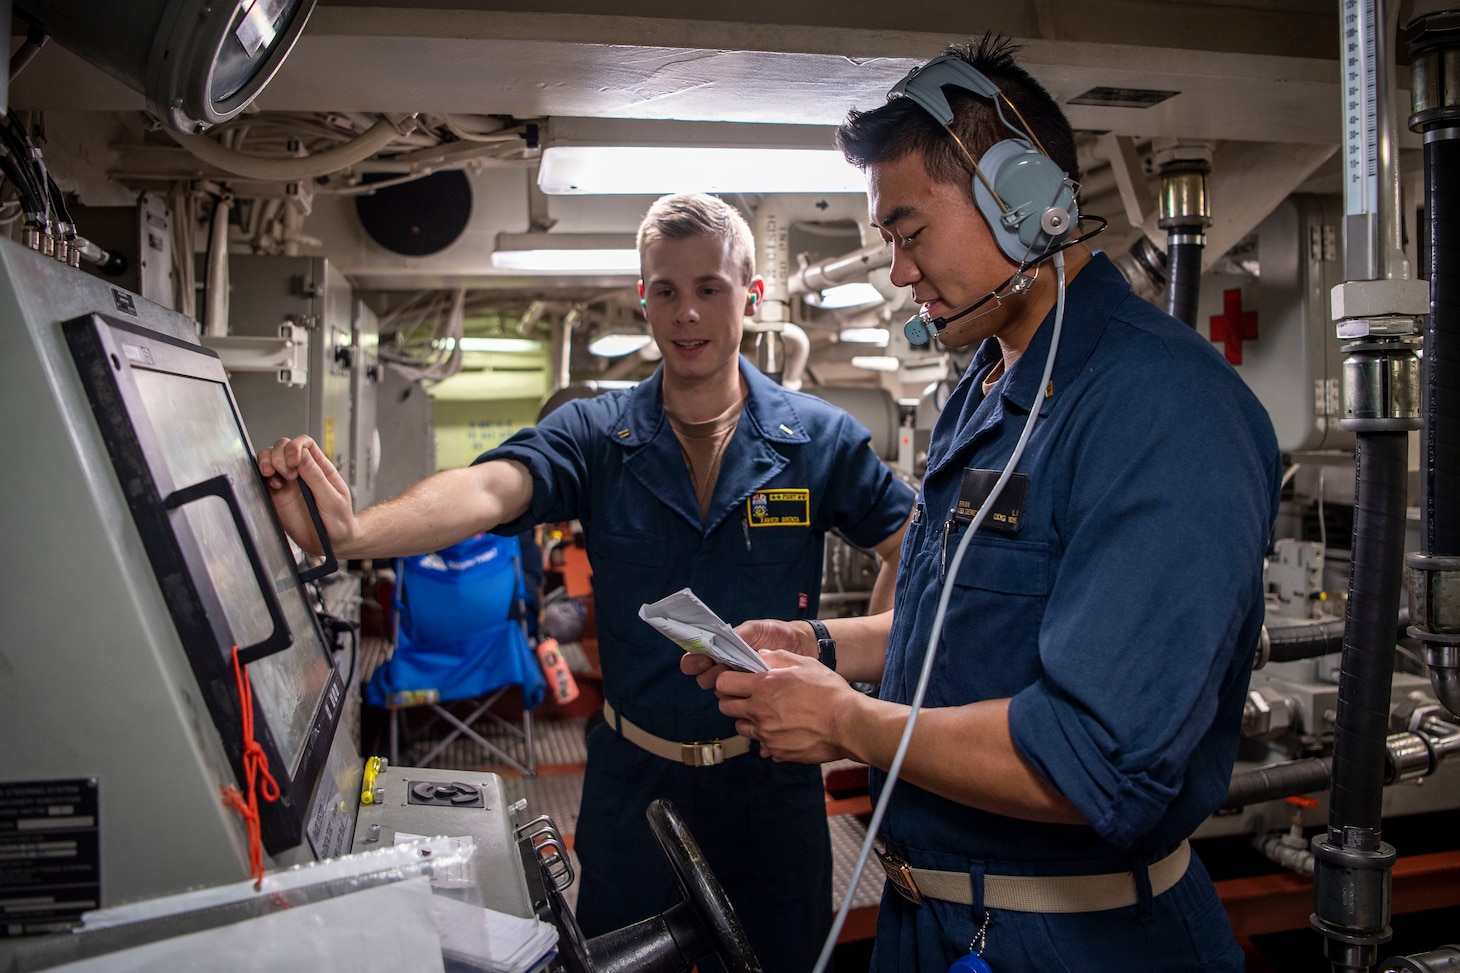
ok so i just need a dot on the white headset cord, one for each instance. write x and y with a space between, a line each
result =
927 671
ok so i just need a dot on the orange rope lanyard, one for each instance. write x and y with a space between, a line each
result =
255 762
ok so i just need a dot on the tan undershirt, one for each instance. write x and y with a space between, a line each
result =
703 447
993 377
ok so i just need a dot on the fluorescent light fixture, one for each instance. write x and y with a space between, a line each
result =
519 345
854 294
601 253
876 363
617 345
864 336
584 170
510 345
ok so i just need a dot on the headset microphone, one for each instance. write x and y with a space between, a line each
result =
919 332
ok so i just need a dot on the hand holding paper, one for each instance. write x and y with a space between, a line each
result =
690 624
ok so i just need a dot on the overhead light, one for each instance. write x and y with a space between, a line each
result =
617 345
646 170
609 157
877 363
508 345
603 253
199 62
864 336
854 294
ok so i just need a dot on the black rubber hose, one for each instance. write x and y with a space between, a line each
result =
1183 276
1440 438
19 169
1278 781
1367 667
1305 641
1319 636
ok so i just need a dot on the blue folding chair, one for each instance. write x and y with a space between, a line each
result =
460 635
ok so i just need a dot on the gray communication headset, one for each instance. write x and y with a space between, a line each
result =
1028 201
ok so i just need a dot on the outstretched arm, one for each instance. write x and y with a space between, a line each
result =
435 513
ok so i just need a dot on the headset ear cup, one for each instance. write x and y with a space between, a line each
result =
1039 197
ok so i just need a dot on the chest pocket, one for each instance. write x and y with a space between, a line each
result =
1004 566
640 547
775 524
990 637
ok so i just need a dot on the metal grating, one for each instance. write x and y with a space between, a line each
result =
847 834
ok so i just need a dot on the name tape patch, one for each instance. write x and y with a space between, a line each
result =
779 508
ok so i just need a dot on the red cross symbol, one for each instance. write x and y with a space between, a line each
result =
1234 325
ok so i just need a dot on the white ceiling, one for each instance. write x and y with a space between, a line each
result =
1259 80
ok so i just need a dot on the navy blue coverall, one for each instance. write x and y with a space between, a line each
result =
795 469
1121 618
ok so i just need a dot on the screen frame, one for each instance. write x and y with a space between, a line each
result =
191 598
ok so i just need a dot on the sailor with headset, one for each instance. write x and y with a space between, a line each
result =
1080 594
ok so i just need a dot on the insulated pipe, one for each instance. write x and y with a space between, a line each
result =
1313 638
848 267
771 227
1378 304
1434 579
798 346
1185 215
215 310
357 150
1277 781
1308 640
1351 877
1183 274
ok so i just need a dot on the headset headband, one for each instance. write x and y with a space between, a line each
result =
924 85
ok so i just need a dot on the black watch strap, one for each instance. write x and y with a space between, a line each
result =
825 644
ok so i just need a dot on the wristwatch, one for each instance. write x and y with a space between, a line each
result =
825 644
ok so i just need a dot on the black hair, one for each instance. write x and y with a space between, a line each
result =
900 127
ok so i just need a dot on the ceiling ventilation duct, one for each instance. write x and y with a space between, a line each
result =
198 62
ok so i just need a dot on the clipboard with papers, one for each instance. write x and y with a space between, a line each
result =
690 624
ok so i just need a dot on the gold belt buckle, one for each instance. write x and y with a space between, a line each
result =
706 754
899 873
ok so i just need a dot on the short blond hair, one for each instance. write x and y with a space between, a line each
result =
684 215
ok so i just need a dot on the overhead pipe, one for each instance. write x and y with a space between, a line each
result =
1375 309
798 344
562 347
771 227
1434 572
215 307
331 160
845 269
1185 214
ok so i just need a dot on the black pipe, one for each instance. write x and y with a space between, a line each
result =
1183 272
1277 781
1433 49
1351 862
1306 640
1440 438
1367 668
1315 637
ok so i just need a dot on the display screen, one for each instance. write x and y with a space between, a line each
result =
196 436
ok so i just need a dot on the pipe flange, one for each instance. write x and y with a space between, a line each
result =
1432 75
1381 387
1408 757
1434 596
